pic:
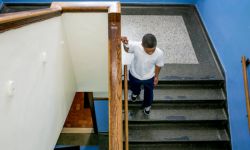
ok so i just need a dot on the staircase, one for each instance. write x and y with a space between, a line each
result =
185 115
189 111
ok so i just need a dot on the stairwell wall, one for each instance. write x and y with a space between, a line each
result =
87 36
33 117
228 25
1 4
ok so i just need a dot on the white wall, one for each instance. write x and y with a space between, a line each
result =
76 45
33 117
87 35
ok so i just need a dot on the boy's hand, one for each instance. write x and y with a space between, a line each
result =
124 40
156 81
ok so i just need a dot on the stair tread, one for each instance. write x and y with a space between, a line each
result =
189 85
186 94
180 104
175 132
177 114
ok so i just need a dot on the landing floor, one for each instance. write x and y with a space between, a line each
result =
188 54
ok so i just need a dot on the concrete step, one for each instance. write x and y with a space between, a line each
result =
176 132
181 146
182 104
174 112
193 85
192 81
184 93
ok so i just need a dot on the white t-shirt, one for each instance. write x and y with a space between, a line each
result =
143 65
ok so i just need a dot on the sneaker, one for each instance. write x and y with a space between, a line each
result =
147 110
134 97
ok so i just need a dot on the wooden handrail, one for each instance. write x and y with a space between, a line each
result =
15 20
110 7
16 16
245 63
126 105
19 19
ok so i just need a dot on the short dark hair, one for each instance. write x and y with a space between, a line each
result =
149 41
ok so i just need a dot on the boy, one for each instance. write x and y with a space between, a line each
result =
145 67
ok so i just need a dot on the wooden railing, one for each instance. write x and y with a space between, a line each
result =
245 63
16 20
126 105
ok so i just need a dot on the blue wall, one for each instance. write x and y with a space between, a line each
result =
228 25
102 117
123 1
1 3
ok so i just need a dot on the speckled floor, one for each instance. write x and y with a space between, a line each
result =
171 34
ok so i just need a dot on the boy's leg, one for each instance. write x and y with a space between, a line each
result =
148 92
135 84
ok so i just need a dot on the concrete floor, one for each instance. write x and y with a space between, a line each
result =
91 140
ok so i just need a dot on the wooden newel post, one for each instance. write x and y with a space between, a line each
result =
115 83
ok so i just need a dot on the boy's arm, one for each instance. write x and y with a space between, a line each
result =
157 72
158 65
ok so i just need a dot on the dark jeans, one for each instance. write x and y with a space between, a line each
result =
135 86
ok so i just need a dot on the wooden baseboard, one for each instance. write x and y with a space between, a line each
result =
77 130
